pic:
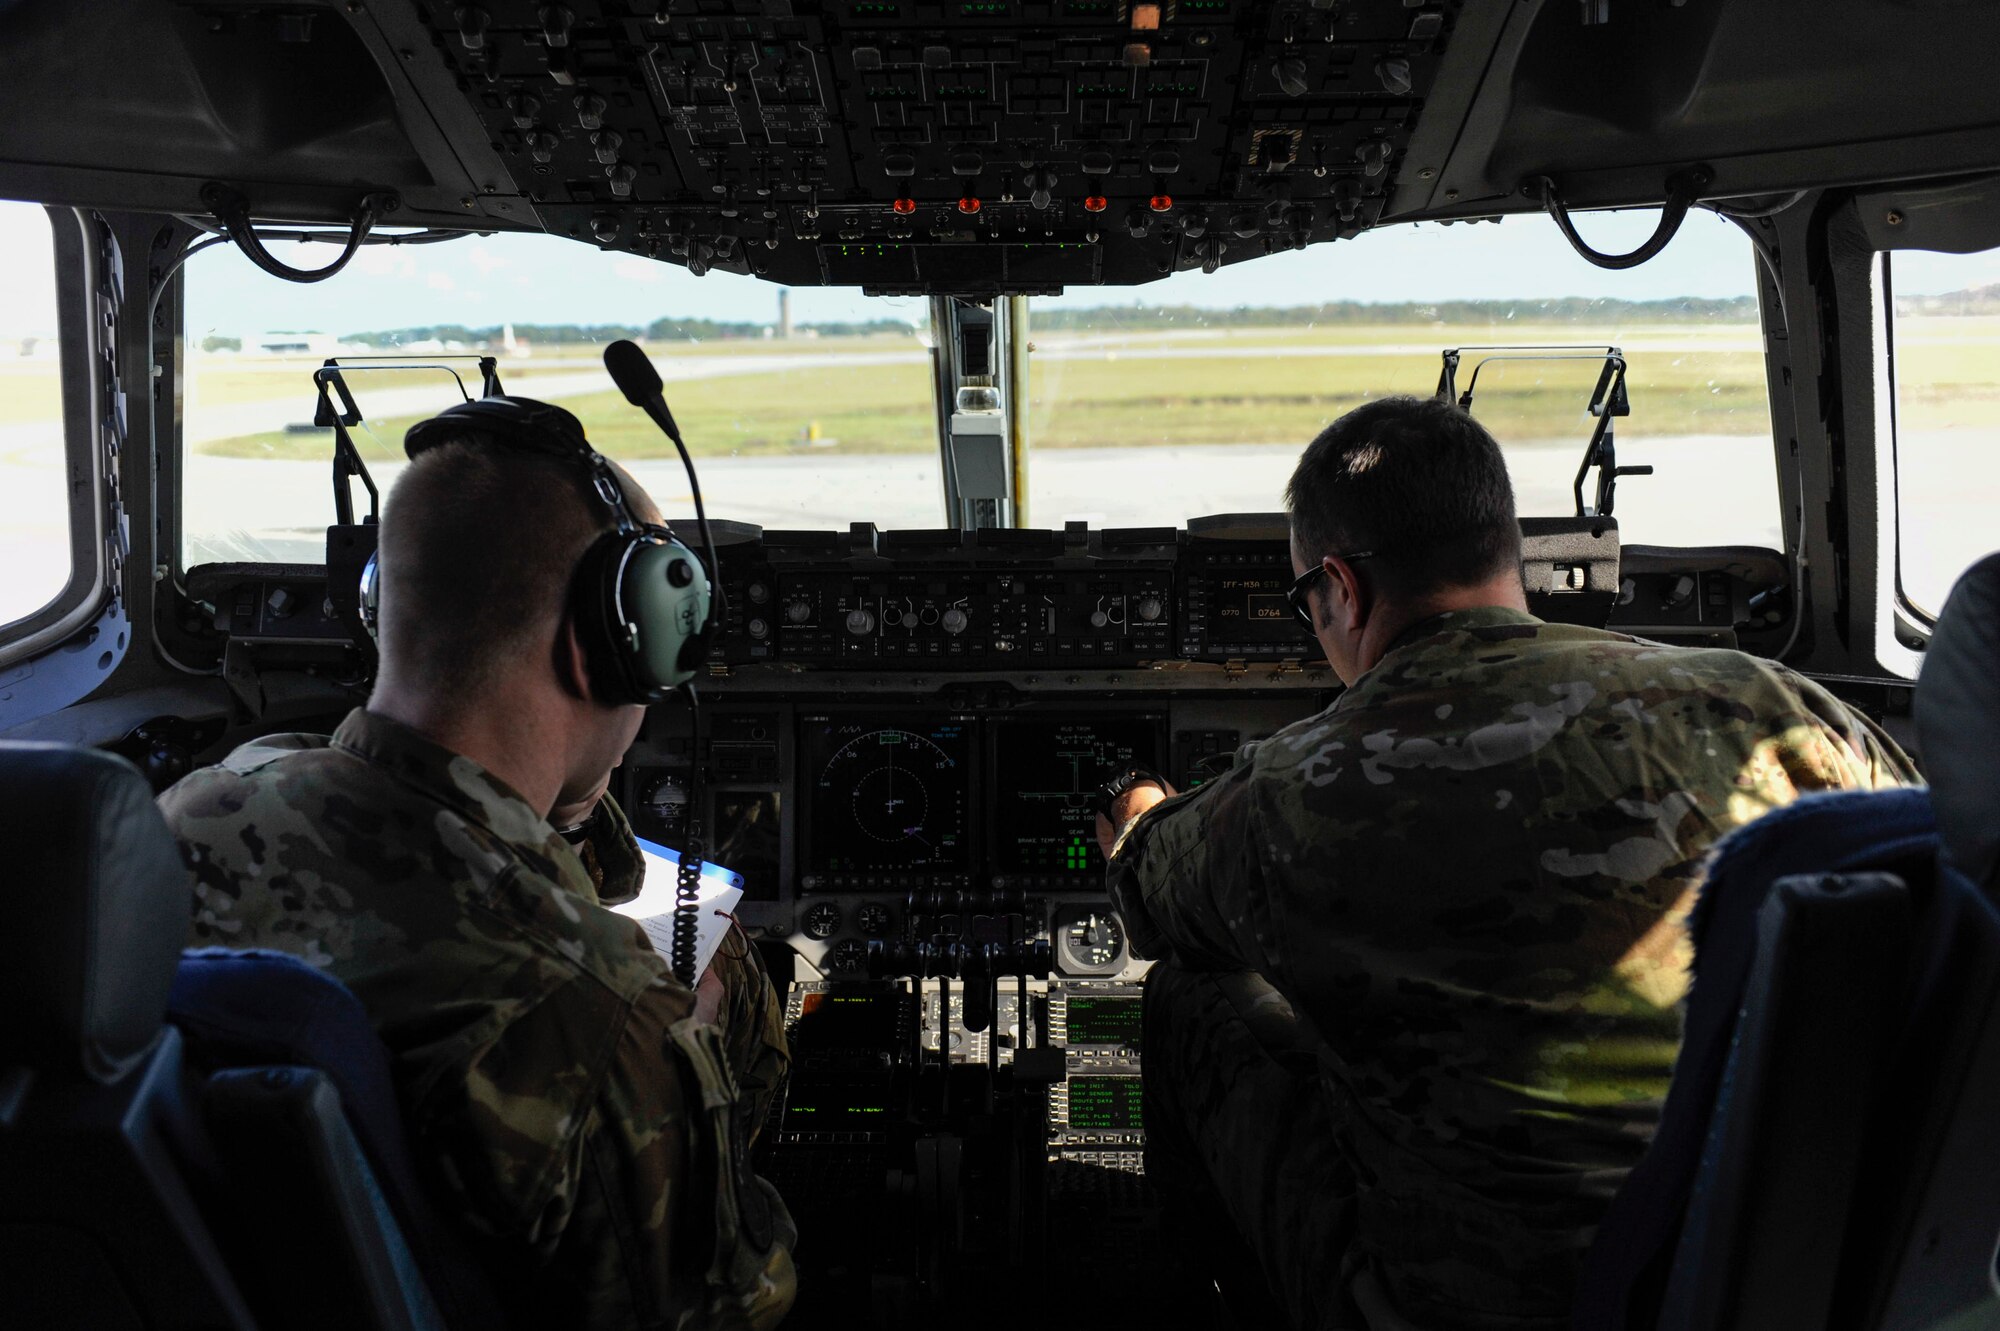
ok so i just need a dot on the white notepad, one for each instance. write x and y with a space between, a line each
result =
653 908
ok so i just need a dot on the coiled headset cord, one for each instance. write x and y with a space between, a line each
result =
687 884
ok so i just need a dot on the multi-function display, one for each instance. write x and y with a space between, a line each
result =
1045 770
887 796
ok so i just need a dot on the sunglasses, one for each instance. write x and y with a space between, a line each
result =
1295 595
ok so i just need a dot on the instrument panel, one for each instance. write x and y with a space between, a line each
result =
846 819
1009 599
905 729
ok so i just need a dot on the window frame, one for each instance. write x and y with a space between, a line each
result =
1919 619
82 321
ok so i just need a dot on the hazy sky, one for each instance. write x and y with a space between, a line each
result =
541 279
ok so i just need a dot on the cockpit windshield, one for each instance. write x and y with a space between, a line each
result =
1195 394
815 407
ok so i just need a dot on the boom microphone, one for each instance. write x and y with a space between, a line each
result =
640 383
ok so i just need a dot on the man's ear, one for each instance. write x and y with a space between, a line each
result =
572 666
1349 603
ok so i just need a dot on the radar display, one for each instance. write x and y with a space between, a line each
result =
1045 772
886 797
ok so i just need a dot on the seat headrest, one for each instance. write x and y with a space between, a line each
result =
96 900
1958 721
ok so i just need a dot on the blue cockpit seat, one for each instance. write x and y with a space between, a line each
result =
1829 1154
165 1176
268 1027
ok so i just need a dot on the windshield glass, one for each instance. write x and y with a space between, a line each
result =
813 408
34 477
1215 382
803 409
1946 334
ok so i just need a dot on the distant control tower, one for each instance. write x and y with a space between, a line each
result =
785 312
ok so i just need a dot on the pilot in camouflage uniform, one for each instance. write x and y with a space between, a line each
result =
1465 883
549 1068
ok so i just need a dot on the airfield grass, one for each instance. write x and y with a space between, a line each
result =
1088 392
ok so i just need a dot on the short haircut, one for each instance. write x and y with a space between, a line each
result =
479 543
1418 482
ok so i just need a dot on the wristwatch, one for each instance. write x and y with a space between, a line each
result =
1107 794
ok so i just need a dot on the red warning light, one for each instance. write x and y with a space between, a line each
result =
1162 203
904 207
1096 203
968 205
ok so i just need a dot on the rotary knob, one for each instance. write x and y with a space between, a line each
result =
1098 619
758 629
798 611
860 622
1150 608
954 621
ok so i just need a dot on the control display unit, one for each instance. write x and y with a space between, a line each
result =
837 1032
888 795
1101 1104
1045 771
1107 1019
826 1018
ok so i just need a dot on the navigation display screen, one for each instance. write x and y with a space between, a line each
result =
1248 608
886 794
1103 1104
1045 772
1103 1020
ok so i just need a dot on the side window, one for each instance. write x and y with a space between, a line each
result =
34 471
1945 333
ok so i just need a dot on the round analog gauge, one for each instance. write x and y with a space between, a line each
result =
1091 942
873 919
666 800
822 920
850 955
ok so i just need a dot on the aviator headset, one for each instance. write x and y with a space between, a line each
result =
640 598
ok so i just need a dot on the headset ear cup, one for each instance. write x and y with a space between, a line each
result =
594 609
665 595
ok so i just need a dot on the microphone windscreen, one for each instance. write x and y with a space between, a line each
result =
632 372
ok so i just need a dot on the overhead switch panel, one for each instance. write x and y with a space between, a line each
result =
965 146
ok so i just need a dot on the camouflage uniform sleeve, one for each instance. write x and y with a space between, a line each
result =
753 1026
611 855
1879 761
1815 743
1187 881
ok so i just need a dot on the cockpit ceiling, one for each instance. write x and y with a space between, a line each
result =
976 146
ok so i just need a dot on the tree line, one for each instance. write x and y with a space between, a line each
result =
1112 318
